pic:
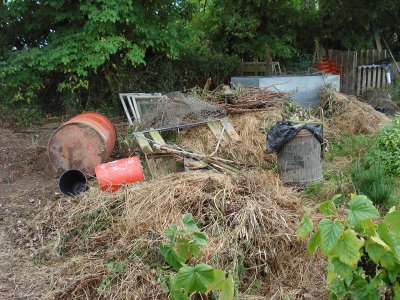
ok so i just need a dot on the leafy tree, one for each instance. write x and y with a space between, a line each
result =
359 24
65 42
251 28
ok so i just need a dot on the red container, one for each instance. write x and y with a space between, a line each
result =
82 143
119 172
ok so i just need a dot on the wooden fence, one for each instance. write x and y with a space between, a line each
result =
349 61
371 76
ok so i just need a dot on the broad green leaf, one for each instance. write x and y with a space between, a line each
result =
194 279
343 270
228 291
185 249
171 257
378 241
385 235
190 223
171 230
330 233
200 238
225 285
388 261
368 226
336 289
396 290
393 274
347 248
306 226
328 208
361 208
179 295
314 242
393 221
375 251
219 278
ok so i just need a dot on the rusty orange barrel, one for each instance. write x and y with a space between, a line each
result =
82 143
112 175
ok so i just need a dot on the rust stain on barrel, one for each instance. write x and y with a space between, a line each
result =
83 142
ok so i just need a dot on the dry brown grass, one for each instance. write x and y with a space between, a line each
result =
251 127
250 220
348 115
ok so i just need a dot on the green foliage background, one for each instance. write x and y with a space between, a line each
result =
66 56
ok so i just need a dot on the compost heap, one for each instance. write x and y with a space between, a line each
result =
251 127
250 220
107 245
344 113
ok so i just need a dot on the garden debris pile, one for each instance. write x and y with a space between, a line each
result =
178 109
345 113
250 220
381 102
244 99
251 127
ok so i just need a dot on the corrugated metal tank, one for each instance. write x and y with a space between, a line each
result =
82 143
299 160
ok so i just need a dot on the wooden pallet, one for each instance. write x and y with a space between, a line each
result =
160 164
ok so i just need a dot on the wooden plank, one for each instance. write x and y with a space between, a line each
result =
373 83
216 129
231 131
156 136
354 71
379 77
143 143
359 74
364 80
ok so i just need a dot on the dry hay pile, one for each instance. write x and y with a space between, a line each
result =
250 220
348 115
251 127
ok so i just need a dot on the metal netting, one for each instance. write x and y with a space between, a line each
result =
177 109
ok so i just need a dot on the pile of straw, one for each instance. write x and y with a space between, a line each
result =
346 114
251 127
250 220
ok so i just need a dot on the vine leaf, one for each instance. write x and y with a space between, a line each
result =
330 233
171 256
343 270
385 235
179 295
361 208
185 249
328 208
314 242
226 286
375 251
347 248
200 238
194 279
306 226
393 221
190 223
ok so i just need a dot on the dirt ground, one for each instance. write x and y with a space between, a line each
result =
27 186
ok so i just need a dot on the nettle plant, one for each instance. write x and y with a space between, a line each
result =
183 253
363 255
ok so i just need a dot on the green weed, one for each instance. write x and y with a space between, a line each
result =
373 182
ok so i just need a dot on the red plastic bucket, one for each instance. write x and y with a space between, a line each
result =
112 175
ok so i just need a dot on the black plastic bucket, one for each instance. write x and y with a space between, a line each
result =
72 182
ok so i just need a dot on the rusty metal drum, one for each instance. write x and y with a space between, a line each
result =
299 160
82 143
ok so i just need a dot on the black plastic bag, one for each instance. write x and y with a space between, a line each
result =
284 131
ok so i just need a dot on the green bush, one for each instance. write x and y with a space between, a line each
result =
373 183
385 148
